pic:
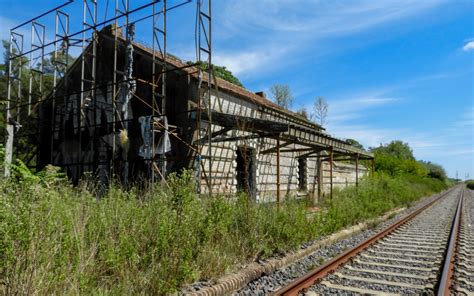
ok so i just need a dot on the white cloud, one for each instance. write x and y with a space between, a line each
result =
262 28
469 46
346 108
244 62
317 17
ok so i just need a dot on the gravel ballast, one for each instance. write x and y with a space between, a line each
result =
276 280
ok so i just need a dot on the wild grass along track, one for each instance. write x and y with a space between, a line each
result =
416 255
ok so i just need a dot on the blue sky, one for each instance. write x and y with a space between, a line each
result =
390 70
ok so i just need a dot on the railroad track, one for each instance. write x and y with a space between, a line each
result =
427 252
464 272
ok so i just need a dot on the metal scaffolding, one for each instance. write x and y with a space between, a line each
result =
158 75
204 60
27 70
108 88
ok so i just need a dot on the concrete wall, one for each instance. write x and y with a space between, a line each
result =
224 176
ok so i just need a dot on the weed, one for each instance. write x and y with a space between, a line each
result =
57 239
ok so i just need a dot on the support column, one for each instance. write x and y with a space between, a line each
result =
13 95
331 154
357 170
320 175
278 171
373 167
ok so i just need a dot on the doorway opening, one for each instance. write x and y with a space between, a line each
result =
246 170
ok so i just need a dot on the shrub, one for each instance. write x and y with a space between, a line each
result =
470 184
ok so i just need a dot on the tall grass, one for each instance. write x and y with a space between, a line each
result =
56 239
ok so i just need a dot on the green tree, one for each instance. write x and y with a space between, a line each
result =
396 149
355 143
396 158
282 95
434 170
25 144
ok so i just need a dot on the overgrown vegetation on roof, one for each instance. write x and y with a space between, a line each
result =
221 72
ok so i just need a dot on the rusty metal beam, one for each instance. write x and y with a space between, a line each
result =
314 151
357 170
237 138
298 150
278 171
274 149
331 151
213 135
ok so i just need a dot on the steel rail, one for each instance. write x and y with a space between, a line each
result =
308 280
445 280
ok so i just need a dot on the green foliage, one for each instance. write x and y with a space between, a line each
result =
355 143
434 170
396 149
375 196
396 159
24 144
397 167
57 239
221 72
470 184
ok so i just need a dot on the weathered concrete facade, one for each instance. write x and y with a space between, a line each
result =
296 179
256 146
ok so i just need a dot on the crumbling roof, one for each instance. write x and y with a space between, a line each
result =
228 87
235 90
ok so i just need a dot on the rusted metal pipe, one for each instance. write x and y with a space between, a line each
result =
373 167
320 175
357 170
278 171
331 155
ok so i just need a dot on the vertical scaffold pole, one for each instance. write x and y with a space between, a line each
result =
357 170
36 62
331 154
278 171
15 66
127 92
372 162
88 69
60 62
159 67
320 174
205 50
115 87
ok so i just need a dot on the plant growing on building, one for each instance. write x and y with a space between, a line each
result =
303 112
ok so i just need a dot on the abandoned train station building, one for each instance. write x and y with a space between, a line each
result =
124 110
